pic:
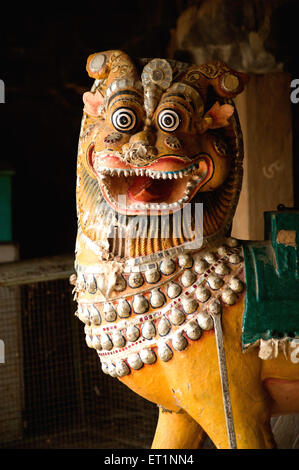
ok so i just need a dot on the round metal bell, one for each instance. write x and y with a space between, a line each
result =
120 284
176 316
83 314
202 293
121 368
200 266
164 326
88 330
135 361
101 282
91 284
135 280
215 282
132 333
236 285
109 312
106 342
222 269
112 370
157 298
88 340
167 266
140 304
173 290
210 257
234 258
205 321
96 342
222 250
187 278
81 283
193 330
179 341
148 356
185 260
152 276
118 339
95 316
148 330
189 305
123 308
231 242
215 307
164 351
228 296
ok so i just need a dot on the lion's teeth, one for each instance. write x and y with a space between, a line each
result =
151 173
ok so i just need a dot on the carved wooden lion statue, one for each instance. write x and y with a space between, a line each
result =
202 324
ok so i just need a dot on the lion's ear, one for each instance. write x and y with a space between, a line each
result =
226 82
229 83
93 103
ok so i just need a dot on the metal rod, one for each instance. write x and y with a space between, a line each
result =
224 381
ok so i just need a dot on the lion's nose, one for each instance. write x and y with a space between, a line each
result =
146 137
140 149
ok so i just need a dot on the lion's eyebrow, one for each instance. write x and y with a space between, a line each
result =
125 92
179 95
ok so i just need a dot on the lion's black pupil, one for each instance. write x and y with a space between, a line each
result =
124 120
167 120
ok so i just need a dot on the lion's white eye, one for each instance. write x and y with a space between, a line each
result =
169 120
124 119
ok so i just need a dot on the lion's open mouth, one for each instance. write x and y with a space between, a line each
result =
152 189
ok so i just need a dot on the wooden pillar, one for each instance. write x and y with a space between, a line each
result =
265 114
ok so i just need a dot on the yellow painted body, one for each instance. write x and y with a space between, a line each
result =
190 382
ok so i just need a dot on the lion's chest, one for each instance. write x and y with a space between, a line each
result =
160 307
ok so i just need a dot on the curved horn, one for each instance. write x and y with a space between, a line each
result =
226 82
111 65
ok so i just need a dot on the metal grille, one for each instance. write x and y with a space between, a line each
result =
53 392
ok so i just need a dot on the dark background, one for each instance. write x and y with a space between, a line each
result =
43 68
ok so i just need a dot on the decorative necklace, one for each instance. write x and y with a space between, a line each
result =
161 307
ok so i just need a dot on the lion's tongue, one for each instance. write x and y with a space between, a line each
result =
146 189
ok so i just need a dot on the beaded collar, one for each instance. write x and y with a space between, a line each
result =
159 307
